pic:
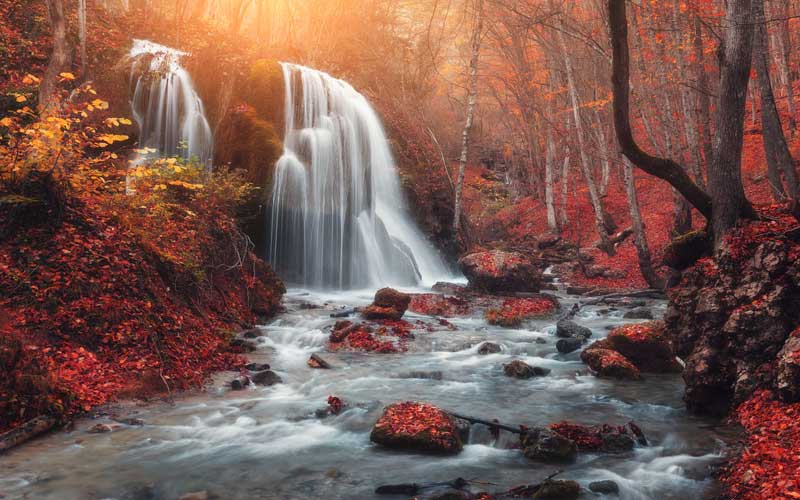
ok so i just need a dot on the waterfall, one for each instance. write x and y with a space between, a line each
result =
166 107
338 218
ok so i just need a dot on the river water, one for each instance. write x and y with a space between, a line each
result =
266 443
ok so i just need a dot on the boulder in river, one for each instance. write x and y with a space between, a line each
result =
606 362
639 313
605 487
605 438
520 369
388 304
496 271
417 427
548 446
315 361
646 346
489 348
266 378
569 329
566 346
256 367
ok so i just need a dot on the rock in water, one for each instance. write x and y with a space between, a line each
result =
566 346
497 271
639 313
266 378
606 362
606 487
489 348
418 427
315 361
519 369
557 489
646 346
569 329
548 446
388 304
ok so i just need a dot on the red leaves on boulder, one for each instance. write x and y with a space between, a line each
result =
769 466
645 345
389 337
513 312
417 426
434 304
335 405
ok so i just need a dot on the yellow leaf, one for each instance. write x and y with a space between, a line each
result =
125 121
67 76
6 122
100 104
30 79
21 98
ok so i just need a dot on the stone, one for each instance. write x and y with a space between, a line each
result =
489 348
388 304
419 427
100 429
243 345
609 363
639 313
315 361
256 367
522 370
497 271
239 383
266 378
615 442
788 372
569 329
566 346
548 446
252 333
606 487
558 489
646 346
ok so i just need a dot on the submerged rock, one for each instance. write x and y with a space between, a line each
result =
266 378
569 329
558 489
418 427
606 487
489 348
256 367
548 446
639 313
388 304
497 271
566 346
520 369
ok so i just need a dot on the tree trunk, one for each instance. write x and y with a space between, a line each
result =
82 38
471 100
639 236
564 188
724 173
59 57
594 195
703 99
784 60
779 159
548 181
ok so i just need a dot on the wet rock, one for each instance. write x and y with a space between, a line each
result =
132 421
417 427
615 442
557 489
388 304
256 367
445 494
239 383
646 346
606 362
243 345
548 446
100 429
569 329
252 333
522 370
433 375
639 313
266 378
788 372
434 304
566 346
342 329
540 340
606 487
315 361
489 348
578 290
449 288
497 271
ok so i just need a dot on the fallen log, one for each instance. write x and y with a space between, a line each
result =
492 425
26 432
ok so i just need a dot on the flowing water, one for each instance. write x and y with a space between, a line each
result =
166 107
266 443
338 219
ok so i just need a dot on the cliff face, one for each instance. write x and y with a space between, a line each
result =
734 319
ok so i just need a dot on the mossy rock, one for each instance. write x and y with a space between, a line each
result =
683 251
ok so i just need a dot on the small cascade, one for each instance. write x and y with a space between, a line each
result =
338 218
170 114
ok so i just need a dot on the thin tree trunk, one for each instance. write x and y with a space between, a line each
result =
548 181
779 159
82 37
784 61
471 100
689 119
639 235
703 99
725 173
564 188
59 59
594 196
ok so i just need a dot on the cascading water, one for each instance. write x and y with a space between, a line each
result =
338 218
170 114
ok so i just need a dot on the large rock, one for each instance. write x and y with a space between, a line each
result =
646 346
548 446
569 329
606 362
788 377
497 271
418 427
388 304
519 369
566 346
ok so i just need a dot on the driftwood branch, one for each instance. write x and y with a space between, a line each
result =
492 425
26 432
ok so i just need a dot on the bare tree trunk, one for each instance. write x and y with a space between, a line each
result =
471 100
779 159
639 235
82 37
59 59
594 196
784 58
703 99
725 173
564 188
548 181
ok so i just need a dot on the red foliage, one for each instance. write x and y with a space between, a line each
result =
769 466
433 304
419 420
335 405
590 437
513 312
390 336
